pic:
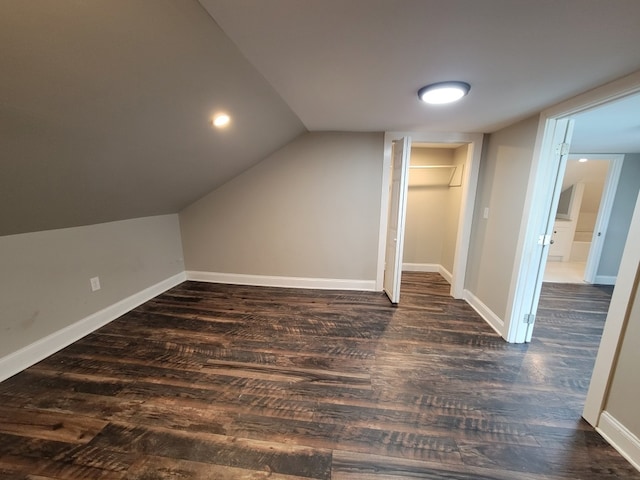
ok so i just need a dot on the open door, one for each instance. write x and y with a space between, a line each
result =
604 214
397 216
537 230
559 155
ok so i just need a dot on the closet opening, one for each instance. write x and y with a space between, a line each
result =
427 207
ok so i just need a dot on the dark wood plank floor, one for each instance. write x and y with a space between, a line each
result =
223 382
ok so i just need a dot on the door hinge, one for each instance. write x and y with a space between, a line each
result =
562 149
529 318
544 239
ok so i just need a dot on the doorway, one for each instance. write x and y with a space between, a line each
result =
589 187
543 192
433 207
468 176
537 228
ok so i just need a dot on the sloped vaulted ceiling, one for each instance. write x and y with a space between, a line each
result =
105 109
104 104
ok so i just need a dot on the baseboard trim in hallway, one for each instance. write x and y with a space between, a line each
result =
485 312
620 438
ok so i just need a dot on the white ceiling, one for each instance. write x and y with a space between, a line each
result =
357 64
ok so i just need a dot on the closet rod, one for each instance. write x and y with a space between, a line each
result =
432 166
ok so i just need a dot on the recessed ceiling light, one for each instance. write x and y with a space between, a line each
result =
582 160
221 120
443 92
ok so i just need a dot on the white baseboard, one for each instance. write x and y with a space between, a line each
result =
39 350
421 267
605 280
620 438
287 282
485 312
446 274
428 267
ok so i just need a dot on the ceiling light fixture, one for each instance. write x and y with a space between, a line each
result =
443 92
221 120
582 160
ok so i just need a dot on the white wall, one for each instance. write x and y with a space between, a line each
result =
310 210
502 185
44 276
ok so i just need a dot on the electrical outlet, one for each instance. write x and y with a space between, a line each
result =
485 214
95 283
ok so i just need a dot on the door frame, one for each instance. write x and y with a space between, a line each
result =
535 218
612 335
604 212
469 186
397 211
543 192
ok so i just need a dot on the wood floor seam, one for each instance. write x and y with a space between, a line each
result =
214 381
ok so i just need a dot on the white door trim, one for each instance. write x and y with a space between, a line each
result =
540 200
469 186
401 151
605 360
604 211
614 324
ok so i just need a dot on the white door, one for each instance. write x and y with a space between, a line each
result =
558 164
397 216
604 214
537 229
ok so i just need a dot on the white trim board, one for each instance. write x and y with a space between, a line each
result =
447 275
605 280
605 208
614 325
283 282
40 349
620 438
421 267
485 312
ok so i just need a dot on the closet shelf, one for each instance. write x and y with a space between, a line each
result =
434 176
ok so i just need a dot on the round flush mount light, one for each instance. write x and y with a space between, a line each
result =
582 160
443 92
221 120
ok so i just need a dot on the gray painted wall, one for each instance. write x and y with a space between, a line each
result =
623 206
312 209
106 111
622 400
44 276
502 184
